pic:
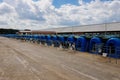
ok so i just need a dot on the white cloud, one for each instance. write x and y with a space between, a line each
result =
40 14
5 9
80 2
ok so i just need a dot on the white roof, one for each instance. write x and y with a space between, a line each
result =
89 28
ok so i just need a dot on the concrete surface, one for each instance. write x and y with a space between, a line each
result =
21 60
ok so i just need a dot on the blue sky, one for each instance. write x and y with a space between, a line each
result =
1 0
58 3
40 14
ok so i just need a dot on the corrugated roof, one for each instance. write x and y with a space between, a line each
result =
89 28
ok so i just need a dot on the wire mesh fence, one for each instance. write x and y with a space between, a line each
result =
107 51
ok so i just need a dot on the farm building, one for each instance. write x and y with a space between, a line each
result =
96 38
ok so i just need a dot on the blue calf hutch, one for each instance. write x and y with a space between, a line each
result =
48 40
61 39
71 39
81 44
42 39
55 41
35 38
93 42
113 47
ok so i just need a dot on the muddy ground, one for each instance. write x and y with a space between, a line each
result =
21 60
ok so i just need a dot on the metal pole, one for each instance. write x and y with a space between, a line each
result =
106 22
116 53
105 29
110 53
72 29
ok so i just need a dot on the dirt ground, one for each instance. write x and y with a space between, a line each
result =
21 60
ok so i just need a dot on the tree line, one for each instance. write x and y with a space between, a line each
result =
8 31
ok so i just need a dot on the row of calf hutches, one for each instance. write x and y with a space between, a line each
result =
102 39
